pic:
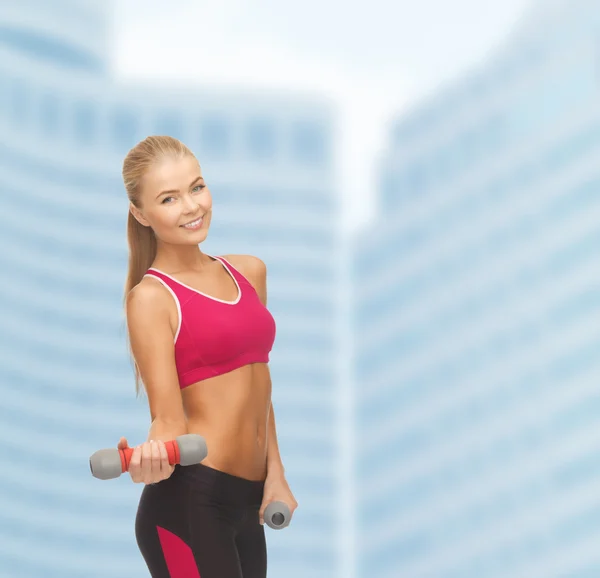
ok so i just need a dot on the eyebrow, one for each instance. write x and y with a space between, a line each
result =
171 191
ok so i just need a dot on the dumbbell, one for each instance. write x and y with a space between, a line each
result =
185 450
277 515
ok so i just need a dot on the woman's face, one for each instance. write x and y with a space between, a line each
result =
174 194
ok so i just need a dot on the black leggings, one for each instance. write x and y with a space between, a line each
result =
202 523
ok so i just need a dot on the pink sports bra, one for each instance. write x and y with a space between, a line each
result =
215 336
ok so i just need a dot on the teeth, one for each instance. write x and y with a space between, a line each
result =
193 224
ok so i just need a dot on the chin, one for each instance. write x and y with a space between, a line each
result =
197 236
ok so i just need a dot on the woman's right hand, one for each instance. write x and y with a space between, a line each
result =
149 462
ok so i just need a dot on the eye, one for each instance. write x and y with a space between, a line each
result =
198 187
166 199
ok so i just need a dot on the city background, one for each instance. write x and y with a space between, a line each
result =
422 184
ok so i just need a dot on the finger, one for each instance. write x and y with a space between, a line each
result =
122 443
135 464
146 469
162 450
156 457
165 467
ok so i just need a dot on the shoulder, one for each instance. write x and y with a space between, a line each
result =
254 269
147 298
149 313
248 264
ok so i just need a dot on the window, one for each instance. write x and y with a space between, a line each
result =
5 96
416 177
125 128
84 122
261 139
308 143
444 162
494 133
169 124
50 115
215 137
19 102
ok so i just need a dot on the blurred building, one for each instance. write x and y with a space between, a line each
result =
477 321
66 381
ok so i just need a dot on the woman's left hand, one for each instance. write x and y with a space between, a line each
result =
277 490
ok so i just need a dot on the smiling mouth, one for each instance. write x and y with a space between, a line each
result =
193 224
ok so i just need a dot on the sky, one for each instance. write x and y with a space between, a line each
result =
374 58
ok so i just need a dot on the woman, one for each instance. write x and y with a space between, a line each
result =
200 336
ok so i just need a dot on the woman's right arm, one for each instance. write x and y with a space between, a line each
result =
152 345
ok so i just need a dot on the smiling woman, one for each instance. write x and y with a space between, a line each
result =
200 336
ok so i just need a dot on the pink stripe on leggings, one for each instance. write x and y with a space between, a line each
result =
178 555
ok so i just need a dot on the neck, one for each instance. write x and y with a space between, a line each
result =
177 259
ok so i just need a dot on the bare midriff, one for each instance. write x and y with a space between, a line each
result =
231 412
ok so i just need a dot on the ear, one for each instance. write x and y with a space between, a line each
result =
138 215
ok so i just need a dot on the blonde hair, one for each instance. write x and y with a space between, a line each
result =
141 239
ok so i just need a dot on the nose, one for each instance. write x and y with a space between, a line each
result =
190 205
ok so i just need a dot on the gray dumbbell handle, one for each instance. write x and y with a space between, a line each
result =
277 515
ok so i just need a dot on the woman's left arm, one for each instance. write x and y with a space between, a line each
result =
274 463
276 486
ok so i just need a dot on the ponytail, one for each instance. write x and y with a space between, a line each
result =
141 239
